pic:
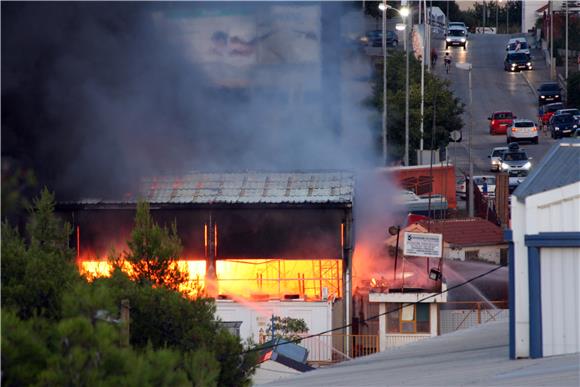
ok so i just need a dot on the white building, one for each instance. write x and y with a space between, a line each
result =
407 317
545 257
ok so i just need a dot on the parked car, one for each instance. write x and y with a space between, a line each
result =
562 125
375 39
549 92
500 121
456 36
547 111
460 186
515 160
495 157
522 129
517 61
575 112
518 45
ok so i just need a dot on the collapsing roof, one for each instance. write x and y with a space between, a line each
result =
245 188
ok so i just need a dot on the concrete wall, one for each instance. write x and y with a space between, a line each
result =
487 253
529 15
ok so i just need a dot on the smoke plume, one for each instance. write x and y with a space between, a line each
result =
96 96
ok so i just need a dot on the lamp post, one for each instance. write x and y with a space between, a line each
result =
468 67
383 7
403 12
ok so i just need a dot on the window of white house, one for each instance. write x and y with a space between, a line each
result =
410 319
472 255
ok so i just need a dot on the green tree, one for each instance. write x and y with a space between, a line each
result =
154 251
437 94
35 274
287 327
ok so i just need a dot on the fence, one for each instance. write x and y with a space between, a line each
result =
332 348
461 315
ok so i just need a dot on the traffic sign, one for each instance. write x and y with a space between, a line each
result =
455 135
423 244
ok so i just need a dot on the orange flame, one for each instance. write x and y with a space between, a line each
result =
252 279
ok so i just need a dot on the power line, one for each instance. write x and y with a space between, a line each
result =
260 348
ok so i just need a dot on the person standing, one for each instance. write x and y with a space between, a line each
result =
484 186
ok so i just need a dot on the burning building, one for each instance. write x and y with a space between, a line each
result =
260 243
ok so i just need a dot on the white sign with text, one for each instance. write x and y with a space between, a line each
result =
423 244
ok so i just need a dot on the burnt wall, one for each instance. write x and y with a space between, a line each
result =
294 233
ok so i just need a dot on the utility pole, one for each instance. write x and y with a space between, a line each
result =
471 202
426 54
566 64
507 16
496 18
385 157
552 64
407 91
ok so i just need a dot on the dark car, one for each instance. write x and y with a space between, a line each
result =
515 61
375 39
562 125
549 92
547 111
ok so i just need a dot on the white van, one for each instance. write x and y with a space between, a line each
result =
518 45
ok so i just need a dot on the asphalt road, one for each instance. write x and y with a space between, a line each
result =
493 89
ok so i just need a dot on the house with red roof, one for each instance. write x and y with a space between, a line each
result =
472 239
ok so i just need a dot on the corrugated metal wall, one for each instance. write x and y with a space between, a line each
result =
560 276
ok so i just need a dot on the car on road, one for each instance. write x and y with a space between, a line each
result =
522 129
515 160
517 61
547 111
549 92
518 45
458 25
562 125
515 178
456 36
500 121
375 39
495 157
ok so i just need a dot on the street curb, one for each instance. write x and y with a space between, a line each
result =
530 85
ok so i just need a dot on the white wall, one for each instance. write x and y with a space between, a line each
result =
529 15
487 253
256 315
560 273
551 211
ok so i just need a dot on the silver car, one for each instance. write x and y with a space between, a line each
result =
514 161
495 157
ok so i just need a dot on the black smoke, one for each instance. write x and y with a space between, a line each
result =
95 96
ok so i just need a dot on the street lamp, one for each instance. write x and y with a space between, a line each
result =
403 12
468 67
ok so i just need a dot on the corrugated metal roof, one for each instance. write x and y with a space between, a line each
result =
246 188
560 167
